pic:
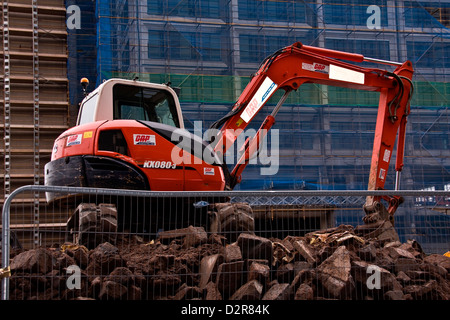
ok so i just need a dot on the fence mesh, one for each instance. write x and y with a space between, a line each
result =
303 246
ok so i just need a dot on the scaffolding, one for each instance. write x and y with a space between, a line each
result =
6 102
34 102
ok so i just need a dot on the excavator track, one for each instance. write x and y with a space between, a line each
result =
231 219
94 224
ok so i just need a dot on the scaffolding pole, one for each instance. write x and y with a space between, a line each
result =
6 101
36 166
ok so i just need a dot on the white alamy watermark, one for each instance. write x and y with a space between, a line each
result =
374 280
374 21
74 280
73 21
192 149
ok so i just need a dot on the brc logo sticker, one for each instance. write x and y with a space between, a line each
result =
208 171
320 67
144 139
74 140
315 67
159 165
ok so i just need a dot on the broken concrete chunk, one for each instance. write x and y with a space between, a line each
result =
334 273
303 276
406 264
439 260
434 270
248 262
252 290
414 247
112 290
397 252
254 247
161 261
421 291
259 271
96 285
305 251
63 261
121 275
285 273
368 252
134 293
192 236
304 292
392 244
186 292
164 283
229 277
34 261
324 253
359 271
394 295
403 277
212 293
232 252
104 259
301 265
79 253
416 275
337 265
278 291
282 252
208 266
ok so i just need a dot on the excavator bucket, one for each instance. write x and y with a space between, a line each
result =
378 224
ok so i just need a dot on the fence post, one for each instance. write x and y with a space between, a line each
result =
6 236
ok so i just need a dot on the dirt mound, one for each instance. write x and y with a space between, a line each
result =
336 263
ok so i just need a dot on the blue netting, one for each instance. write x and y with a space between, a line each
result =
210 48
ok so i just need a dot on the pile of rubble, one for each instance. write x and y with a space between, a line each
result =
191 264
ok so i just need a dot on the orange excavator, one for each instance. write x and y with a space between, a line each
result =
130 135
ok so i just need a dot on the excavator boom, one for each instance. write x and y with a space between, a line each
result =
292 66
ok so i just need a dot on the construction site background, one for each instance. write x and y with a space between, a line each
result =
209 49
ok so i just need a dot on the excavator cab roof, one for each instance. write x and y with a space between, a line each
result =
134 100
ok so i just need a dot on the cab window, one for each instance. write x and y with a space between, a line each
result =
147 104
87 110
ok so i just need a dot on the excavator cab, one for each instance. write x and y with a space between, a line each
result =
131 101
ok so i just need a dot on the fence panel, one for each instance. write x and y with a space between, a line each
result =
135 245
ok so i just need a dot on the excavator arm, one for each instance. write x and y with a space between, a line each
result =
292 66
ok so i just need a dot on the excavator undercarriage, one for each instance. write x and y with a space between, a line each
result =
93 224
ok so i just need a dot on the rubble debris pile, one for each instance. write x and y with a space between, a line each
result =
188 263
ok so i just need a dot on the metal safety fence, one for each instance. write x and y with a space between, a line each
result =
110 244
